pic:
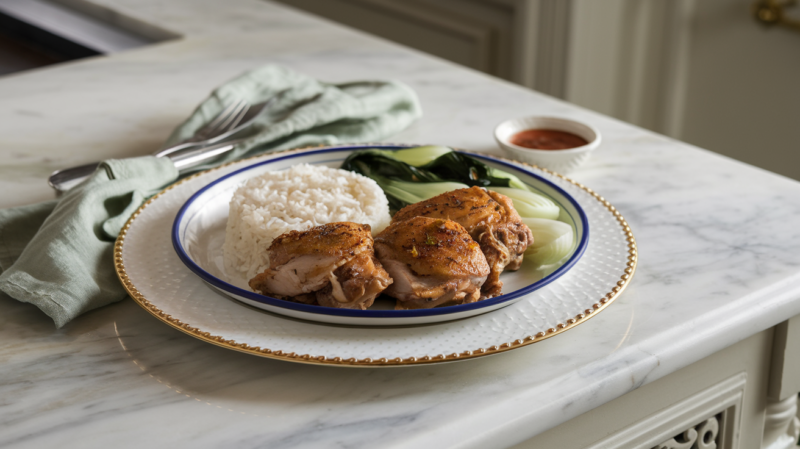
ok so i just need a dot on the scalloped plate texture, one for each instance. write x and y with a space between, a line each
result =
184 287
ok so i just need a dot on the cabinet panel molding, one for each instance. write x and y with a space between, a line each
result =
781 425
724 399
701 436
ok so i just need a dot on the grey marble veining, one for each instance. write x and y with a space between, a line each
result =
719 246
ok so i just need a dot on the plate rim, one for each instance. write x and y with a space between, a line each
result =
231 289
217 340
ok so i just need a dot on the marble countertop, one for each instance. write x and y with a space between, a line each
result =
719 246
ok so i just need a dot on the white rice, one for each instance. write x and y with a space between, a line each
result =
298 198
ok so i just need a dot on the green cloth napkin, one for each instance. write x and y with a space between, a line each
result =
304 111
58 255
66 267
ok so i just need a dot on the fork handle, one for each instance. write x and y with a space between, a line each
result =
187 160
63 180
179 147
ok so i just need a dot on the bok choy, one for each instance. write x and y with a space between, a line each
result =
416 174
552 240
529 204
414 192
430 164
420 156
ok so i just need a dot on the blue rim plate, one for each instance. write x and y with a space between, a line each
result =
198 233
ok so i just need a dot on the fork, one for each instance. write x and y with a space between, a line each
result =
221 126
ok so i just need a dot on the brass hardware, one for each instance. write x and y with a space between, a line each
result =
770 12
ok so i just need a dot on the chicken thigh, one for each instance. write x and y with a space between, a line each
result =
491 220
332 265
432 262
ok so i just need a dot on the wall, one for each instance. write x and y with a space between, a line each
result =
702 71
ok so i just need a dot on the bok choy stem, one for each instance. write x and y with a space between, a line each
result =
552 240
529 204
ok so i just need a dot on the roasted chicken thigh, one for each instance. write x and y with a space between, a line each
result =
331 265
491 220
432 262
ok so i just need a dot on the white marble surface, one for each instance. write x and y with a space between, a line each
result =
719 245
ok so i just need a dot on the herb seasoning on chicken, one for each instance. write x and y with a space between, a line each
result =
432 262
491 220
332 265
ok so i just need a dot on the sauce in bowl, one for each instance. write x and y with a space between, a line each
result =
547 139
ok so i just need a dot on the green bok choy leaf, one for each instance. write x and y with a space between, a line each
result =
420 156
430 164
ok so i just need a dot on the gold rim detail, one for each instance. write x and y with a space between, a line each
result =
601 304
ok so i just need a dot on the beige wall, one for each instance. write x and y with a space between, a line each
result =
743 87
702 71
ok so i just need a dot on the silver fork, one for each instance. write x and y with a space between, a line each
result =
225 120
217 129
222 126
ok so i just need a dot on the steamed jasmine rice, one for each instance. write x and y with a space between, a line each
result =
299 198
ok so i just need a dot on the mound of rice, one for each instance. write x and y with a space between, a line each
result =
299 198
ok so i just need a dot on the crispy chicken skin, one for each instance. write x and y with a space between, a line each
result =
332 265
432 262
491 220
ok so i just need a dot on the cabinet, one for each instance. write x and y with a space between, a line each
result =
518 40
744 396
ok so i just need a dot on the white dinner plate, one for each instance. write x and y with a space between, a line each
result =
162 284
199 232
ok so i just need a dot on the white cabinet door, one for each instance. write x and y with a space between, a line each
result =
702 71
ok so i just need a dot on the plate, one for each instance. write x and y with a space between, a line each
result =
156 279
199 232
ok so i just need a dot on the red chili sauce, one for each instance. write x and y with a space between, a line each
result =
547 139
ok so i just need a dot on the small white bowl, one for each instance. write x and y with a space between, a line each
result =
559 161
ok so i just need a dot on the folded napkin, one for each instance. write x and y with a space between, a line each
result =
58 255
